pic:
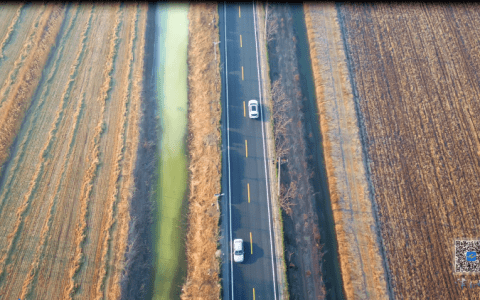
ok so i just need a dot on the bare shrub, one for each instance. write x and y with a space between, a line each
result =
286 196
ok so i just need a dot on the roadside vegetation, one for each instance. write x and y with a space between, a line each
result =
303 249
261 11
203 264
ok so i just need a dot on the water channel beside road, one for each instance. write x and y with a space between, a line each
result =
171 91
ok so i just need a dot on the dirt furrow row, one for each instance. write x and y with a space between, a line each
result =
20 102
26 50
64 124
19 159
28 20
11 110
119 152
10 29
130 153
93 161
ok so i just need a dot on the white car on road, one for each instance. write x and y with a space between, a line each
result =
238 250
253 109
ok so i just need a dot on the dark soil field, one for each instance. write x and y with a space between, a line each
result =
415 73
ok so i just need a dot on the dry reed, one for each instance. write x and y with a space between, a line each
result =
205 160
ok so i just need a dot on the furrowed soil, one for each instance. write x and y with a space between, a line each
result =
415 78
70 111
203 262
359 244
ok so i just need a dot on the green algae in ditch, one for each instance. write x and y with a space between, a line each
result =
171 80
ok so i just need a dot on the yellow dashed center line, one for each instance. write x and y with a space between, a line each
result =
240 40
246 149
253 293
242 72
239 13
244 110
248 188
251 244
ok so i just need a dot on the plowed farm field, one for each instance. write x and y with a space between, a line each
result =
416 82
70 93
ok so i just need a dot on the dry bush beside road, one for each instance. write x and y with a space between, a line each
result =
205 157
415 70
301 230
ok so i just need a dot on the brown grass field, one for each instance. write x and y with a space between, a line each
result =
70 93
415 71
203 265
359 250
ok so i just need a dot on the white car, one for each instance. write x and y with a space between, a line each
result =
238 250
253 109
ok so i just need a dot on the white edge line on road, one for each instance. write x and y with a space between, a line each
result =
228 150
265 154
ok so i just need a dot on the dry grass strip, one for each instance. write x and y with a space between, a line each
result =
205 159
353 211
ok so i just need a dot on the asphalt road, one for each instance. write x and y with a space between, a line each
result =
246 211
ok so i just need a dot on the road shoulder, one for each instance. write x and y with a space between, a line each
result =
271 156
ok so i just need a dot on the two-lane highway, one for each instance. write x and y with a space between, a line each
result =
246 212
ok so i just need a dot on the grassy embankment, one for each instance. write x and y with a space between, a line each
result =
171 63
205 156
359 250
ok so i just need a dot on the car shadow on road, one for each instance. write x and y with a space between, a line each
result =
252 253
